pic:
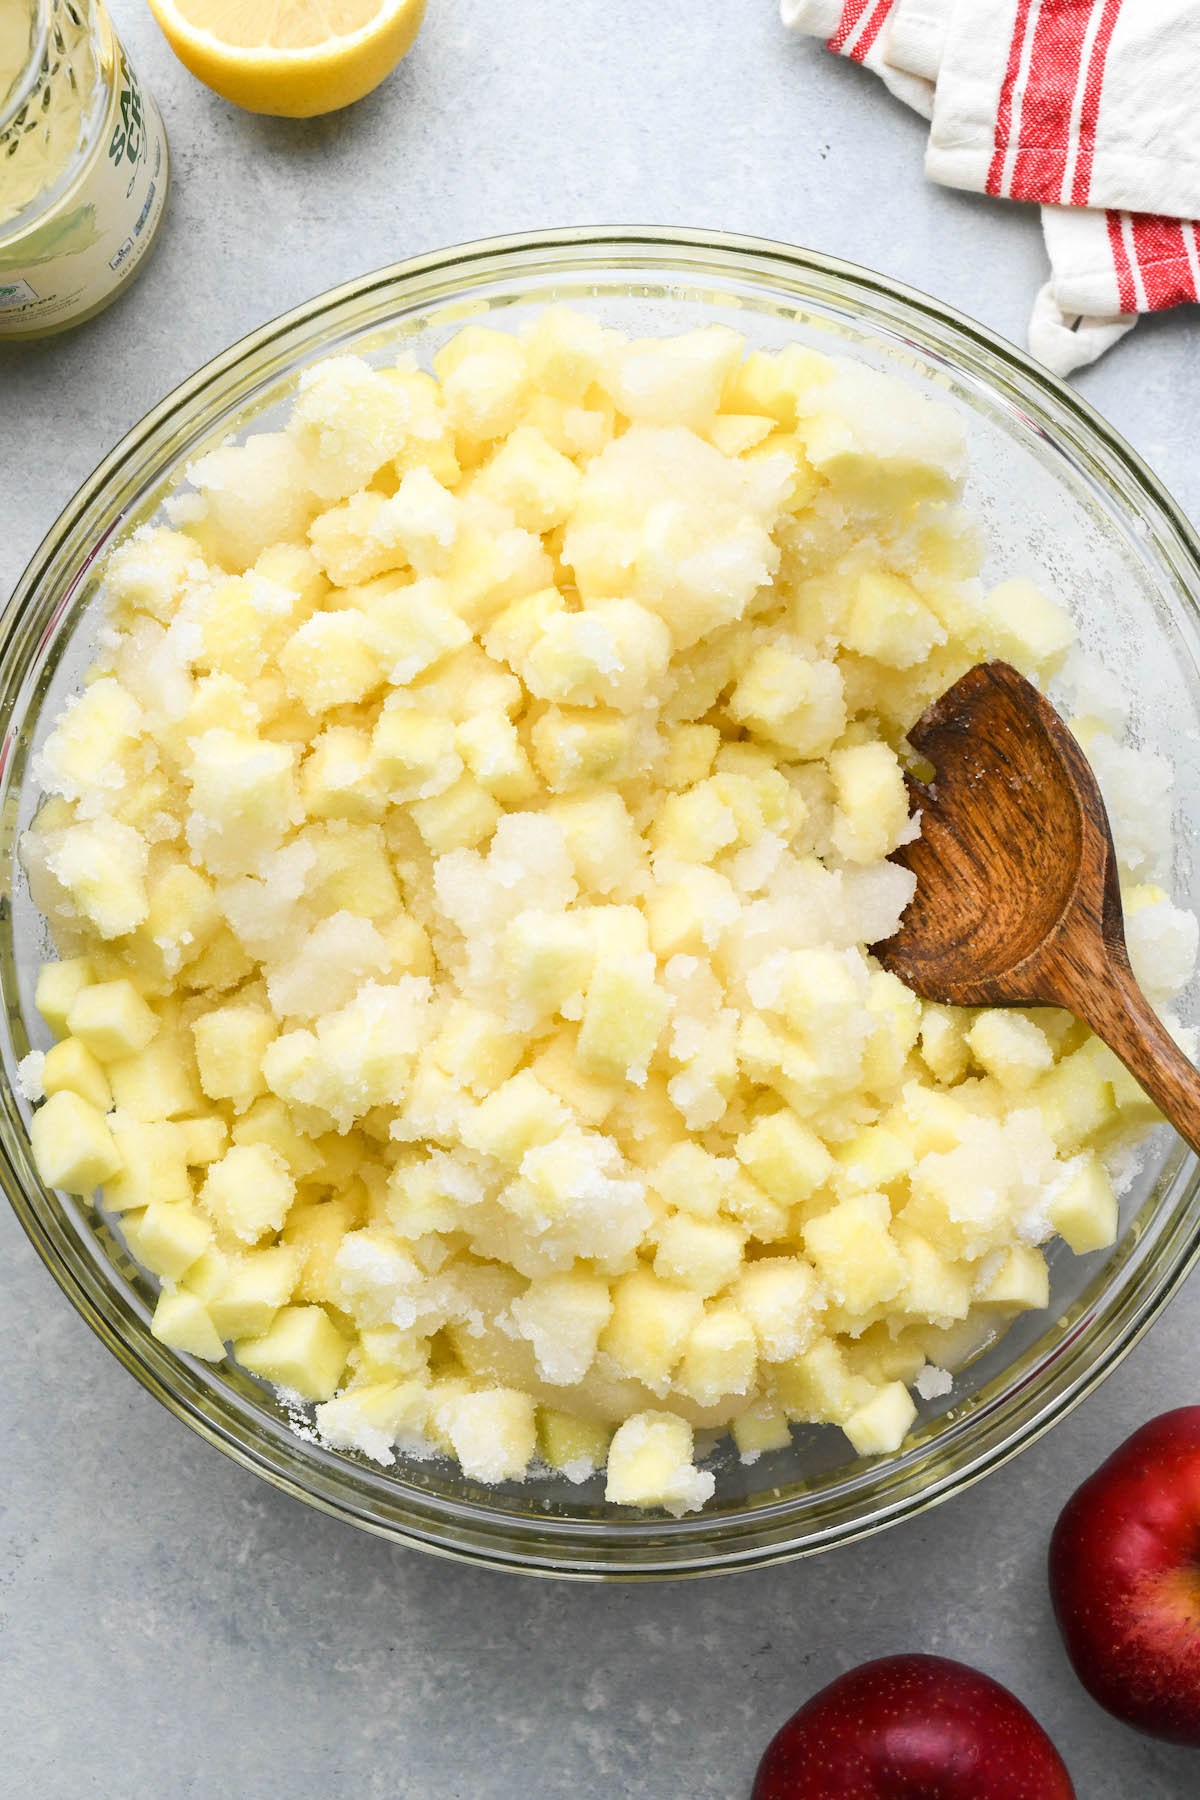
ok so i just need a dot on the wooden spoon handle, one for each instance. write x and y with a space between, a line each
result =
1118 1011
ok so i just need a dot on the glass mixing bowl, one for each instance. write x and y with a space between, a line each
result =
1062 499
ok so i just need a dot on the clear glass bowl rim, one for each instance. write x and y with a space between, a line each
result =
1031 1395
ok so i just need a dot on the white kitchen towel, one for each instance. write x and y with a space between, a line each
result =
856 28
1090 107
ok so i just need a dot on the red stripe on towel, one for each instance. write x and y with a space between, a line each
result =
1093 82
1126 294
1162 260
851 14
1004 113
1044 138
871 30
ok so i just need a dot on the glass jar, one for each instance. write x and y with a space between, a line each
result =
83 166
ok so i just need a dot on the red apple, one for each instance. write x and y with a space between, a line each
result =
912 1728
1125 1579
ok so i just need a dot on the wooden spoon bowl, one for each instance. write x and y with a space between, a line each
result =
1018 901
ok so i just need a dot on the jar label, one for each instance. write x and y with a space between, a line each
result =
75 259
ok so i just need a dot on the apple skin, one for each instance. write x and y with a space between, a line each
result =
1125 1579
912 1728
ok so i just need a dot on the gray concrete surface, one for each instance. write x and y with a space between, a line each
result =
168 1624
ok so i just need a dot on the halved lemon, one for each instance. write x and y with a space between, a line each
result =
295 58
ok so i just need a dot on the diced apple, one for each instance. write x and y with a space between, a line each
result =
301 1351
786 1157
758 1429
650 1464
58 984
70 1064
493 1433
881 1424
168 1237
721 1357
249 1191
575 1447
782 1300
111 1019
181 1322
73 1147
1086 1212
623 1018
1020 1284
650 1325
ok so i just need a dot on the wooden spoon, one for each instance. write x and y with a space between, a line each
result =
1017 900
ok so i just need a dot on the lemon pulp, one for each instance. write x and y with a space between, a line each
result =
271 25
296 58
